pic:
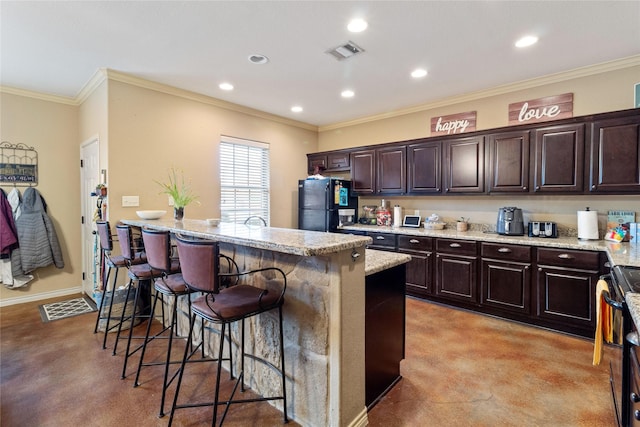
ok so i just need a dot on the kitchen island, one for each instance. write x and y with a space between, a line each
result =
324 313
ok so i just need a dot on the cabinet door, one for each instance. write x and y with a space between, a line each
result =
314 160
456 278
509 162
558 159
615 156
338 161
423 168
419 269
567 296
391 170
506 285
363 172
463 167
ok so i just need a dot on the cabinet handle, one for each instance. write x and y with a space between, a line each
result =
537 188
593 187
526 267
565 256
635 398
379 238
524 188
446 189
414 241
455 245
539 269
636 414
438 189
504 250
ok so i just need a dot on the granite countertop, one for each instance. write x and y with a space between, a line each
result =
284 240
633 302
618 253
376 261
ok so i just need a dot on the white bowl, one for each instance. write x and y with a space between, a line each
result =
429 225
150 214
213 221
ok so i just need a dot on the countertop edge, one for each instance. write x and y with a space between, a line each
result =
377 261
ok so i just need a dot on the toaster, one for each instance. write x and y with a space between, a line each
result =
543 229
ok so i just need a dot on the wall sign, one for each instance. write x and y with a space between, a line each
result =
18 164
453 123
541 109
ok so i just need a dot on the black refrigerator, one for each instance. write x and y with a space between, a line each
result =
319 201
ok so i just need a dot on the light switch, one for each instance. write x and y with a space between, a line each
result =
130 201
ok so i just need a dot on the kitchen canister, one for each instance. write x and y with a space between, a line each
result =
588 225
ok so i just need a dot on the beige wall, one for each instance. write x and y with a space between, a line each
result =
52 129
608 91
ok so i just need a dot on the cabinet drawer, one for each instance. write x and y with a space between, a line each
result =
506 252
568 258
387 240
460 247
414 243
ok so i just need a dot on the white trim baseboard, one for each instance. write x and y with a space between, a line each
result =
40 296
361 420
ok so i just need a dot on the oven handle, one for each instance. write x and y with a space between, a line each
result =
617 303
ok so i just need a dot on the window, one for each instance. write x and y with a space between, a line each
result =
244 180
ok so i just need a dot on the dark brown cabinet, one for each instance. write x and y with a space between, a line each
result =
332 161
383 241
463 165
506 277
508 162
424 162
566 288
391 170
419 269
363 168
615 155
558 159
456 267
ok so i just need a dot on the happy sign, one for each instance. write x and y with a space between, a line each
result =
453 123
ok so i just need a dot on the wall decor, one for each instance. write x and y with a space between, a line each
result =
542 109
18 164
453 123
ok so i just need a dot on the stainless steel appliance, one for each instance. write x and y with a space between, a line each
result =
510 221
622 280
319 202
543 229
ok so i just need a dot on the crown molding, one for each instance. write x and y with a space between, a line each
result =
39 95
604 67
193 96
94 82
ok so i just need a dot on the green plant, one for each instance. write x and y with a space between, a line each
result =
463 219
179 190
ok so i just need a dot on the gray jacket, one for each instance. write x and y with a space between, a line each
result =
39 246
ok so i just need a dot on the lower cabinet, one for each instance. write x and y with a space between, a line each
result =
419 269
456 266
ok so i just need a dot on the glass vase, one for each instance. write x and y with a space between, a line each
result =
178 213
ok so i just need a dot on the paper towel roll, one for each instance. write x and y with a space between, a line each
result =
397 216
588 225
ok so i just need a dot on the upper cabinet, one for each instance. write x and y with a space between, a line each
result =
333 161
615 155
463 165
557 162
423 168
508 162
379 171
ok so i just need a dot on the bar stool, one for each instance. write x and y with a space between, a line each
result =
237 302
157 246
110 262
140 275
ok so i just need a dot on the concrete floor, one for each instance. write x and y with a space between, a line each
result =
461 369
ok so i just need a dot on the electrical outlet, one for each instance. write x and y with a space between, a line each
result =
130 201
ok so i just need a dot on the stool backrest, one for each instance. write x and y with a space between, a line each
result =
199 261
125 236
157 248
104 233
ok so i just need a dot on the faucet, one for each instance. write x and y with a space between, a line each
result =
246 221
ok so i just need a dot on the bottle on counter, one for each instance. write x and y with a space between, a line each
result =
383 215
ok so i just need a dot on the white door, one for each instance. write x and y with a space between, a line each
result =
90 178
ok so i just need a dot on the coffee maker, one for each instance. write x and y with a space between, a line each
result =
510 221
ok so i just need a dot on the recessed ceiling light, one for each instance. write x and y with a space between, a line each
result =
225 86
347 93
357 25
418 72
257 58
526 41
296 109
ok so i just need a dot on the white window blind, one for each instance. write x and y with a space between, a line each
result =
244 180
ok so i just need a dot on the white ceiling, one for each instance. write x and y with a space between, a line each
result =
56 47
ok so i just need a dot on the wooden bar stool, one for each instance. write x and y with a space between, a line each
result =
223 306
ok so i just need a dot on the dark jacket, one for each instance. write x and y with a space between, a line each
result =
39 246
8 232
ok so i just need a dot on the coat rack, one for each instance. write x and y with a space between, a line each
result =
18 164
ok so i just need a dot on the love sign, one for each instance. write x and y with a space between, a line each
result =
541 109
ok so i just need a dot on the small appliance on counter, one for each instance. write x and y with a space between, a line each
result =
369 215
543 229
510 221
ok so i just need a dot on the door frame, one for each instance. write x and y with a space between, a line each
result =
89 257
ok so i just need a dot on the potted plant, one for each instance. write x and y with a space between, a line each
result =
462 224
179 190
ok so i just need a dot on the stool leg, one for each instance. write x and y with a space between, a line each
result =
217 392
284 383
146 340
184 360
165 382
107 328
133 320
122 316
105 282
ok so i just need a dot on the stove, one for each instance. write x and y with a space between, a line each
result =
627 279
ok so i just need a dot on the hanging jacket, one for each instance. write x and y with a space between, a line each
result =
39 245
8 232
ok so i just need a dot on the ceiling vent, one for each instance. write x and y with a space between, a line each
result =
345 51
